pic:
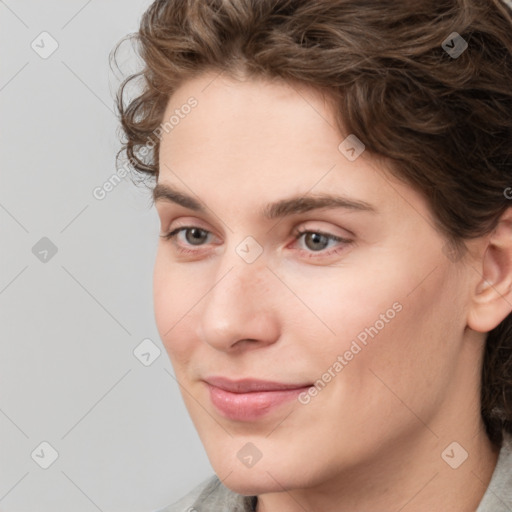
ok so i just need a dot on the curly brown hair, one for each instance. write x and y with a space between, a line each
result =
443 120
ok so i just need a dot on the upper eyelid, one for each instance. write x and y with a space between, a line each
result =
297 232
301 230
197 224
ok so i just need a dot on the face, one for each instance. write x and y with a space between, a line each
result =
348 301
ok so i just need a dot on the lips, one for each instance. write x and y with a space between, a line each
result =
251 385
250 399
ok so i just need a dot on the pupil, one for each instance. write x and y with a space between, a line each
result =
316 238
197 236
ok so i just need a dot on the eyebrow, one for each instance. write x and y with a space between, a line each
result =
281 208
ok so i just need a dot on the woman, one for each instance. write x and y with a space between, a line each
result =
333 283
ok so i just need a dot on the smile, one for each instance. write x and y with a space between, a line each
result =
250 399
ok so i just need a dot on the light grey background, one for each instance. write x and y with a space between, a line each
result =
70 324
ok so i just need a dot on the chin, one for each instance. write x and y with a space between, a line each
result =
269 476
249 483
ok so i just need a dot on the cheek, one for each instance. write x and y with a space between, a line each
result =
413 357
162 296
388 320
346 306
175 295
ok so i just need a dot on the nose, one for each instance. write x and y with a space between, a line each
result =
241 310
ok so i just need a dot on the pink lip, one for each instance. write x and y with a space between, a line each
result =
249 399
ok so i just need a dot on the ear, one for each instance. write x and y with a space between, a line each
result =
491 299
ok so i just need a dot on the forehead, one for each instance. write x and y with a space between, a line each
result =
256 139
250 115
252 126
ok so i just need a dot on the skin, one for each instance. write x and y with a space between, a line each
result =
373 437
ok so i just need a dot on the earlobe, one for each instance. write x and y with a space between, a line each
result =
491 301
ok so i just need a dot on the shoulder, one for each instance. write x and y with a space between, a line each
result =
212 496
498 496
186 503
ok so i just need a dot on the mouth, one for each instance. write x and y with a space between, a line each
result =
250 399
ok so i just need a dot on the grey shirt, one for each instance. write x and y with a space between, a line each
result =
212 496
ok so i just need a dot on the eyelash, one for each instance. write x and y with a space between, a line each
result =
298 234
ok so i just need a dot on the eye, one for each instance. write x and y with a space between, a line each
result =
198 235
192 235
318 241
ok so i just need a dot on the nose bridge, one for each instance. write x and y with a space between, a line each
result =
240 287
239 305
242 274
